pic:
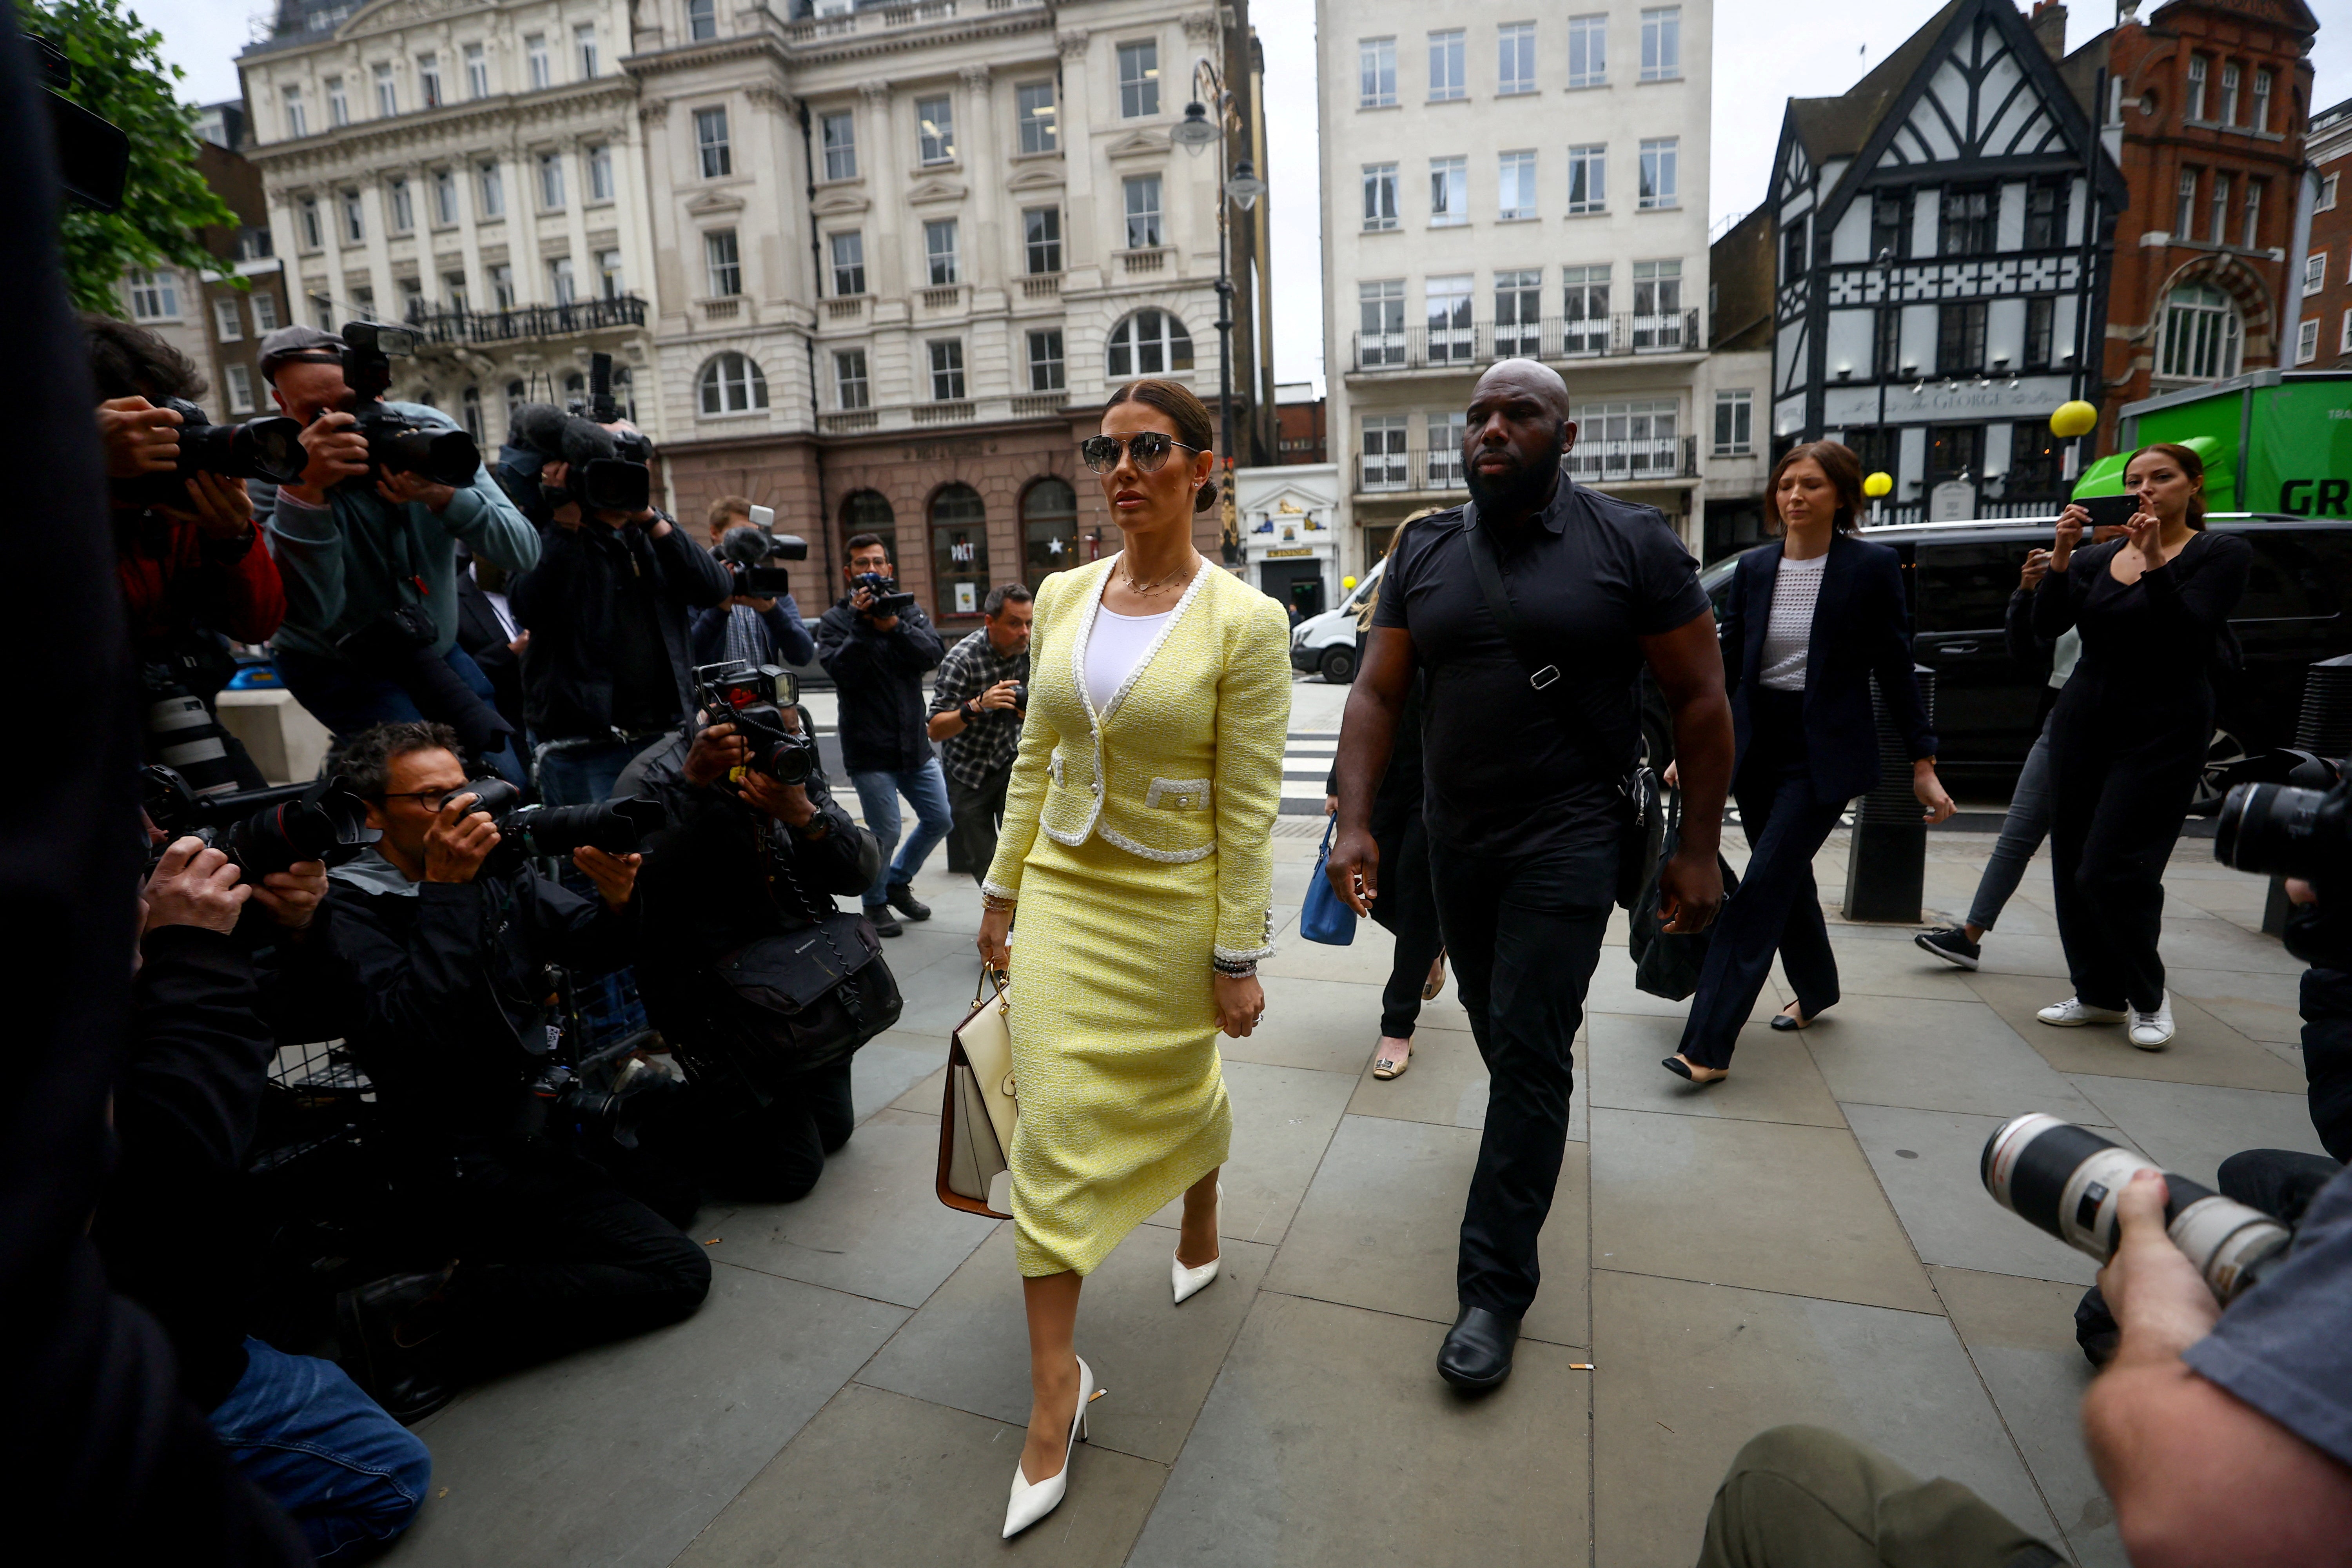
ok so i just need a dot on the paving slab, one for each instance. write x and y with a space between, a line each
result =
1381 1228
891 1063
2020 1334
1928 1161
1777 1080
881 1479
872 1226
968 1347
1328 1025
2203 1049
1613 991
1891 968
1762 1204
1283 1118
927 1097
1688 1373
2192 1128
2260 1005
1937 1056
2209 943
620 1455
1328 1442
1446 1083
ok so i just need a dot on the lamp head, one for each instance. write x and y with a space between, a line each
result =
1196 131
1246 187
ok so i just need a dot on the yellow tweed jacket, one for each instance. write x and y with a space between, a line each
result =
1186 762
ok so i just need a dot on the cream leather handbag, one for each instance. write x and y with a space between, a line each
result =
976 1121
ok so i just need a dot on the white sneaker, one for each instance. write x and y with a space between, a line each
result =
2153 1031
2072 1013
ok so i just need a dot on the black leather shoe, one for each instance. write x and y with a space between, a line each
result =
1478 1351
388 1331
885 923
903 896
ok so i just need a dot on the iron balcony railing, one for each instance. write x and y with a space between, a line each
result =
1413 467
528 321
1553 338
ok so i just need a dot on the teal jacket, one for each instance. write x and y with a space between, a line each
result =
349 561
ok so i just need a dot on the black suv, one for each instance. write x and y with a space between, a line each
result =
1987 706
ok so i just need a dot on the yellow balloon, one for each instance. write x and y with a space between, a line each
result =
2073 419
1346 585
1877 485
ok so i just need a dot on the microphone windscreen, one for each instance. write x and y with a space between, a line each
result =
539 427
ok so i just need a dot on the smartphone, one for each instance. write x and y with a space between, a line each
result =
763 518
2109 512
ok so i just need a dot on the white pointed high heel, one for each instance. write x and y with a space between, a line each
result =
1032 1502
1190 1282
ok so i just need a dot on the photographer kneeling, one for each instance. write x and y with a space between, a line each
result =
435 964
750 858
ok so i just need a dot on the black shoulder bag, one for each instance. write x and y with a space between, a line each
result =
1644 824
805 999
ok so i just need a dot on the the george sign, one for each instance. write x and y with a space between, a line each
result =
1289 554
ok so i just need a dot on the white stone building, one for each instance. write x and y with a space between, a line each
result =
1497 185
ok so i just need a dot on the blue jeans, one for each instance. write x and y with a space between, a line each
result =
878 797
580 775
2021 833
346 701
300 1430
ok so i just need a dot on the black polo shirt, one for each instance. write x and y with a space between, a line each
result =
1589 577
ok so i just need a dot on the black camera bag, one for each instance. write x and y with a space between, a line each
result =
805 999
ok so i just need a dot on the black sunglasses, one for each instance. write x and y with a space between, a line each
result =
1150 448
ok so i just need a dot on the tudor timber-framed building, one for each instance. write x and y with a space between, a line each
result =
1944 239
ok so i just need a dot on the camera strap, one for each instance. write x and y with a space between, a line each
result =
780 868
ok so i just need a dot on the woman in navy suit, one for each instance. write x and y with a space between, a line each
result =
1809 622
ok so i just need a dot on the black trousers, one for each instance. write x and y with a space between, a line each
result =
975 810
2328 1056
1523 934
553 1257
774 1153
2119 791
1408 905
1778 907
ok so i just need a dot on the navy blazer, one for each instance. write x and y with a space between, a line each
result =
1860 628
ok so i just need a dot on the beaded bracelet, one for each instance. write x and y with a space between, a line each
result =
993 901
1232 968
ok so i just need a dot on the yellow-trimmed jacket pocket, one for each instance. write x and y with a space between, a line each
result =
1177 794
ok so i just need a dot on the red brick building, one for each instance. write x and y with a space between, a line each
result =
1298 426
2207 104
2324 327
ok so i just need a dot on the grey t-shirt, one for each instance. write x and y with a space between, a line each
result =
2285 1346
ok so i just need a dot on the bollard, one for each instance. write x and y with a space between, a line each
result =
1887 862
2323 727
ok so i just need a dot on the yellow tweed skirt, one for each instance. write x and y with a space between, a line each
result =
1114 1048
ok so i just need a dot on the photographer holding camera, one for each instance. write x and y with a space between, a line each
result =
877 644
368 549
752 627
608 668
977 707
435 966
747 856
195 574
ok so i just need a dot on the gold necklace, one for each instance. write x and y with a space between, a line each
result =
1146 590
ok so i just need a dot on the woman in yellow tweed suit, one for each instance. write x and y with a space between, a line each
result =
1137 844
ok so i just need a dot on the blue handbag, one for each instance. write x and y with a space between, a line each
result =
1325 917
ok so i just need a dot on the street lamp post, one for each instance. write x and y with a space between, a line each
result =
1240 186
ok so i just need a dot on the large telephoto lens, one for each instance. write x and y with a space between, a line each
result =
326 816
611 484
2065 1179
2270 829
269 448
615 826
444 456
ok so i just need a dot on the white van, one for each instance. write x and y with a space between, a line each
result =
1327 642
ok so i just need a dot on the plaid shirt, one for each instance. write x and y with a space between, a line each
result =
984 747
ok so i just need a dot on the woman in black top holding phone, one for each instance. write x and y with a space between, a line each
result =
2128 736
1809 621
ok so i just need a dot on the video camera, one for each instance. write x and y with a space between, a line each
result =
2066 1180
746 549
262 830
605 470
753 698
396 443
615 826
887 599
2292 829
266 448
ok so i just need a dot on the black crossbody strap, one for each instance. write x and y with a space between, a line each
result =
1543 675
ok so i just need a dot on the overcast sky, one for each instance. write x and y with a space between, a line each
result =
1761 60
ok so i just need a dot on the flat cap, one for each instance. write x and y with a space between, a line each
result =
299 343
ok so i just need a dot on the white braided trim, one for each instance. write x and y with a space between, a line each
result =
1112 837
1239 955
994 891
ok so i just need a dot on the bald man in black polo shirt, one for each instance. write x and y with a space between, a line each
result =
1524 803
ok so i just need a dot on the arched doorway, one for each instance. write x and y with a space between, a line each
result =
866 511
1049 529
958 551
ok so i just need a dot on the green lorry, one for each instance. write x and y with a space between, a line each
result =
2274 441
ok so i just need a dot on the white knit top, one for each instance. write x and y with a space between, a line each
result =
1116 646
1791 630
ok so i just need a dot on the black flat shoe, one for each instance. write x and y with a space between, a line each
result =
1477 1350
1681 1070
1786 1024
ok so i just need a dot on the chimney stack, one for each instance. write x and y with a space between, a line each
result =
2048 24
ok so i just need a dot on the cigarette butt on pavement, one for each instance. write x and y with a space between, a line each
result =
1580 1366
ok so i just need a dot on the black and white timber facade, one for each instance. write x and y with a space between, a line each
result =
1944 239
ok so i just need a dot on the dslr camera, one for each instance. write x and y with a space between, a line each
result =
749 550
753 698
396 443
267 448
2292 829
887 599
262 830
615 826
